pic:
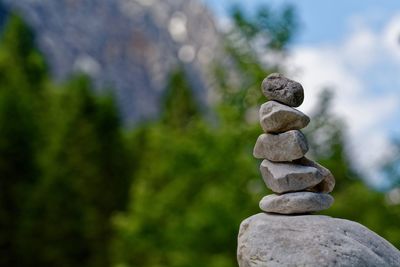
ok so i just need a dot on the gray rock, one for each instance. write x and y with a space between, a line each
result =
328 182
278 118
311 240
128 46
287 177
294 203
278 87
286 146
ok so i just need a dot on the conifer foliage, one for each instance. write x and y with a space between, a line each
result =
64 169
22 73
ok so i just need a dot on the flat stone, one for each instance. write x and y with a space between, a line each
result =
328 182
295 203
278 118
286 146
278 87
289 177
312 241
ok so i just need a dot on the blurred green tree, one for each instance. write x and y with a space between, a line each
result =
22 80
179 108
190 191
86 176
21 60
327 143
354 200
193 187
391 168
252 38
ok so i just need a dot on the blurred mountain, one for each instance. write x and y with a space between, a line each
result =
129 46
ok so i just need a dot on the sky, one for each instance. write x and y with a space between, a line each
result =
354 48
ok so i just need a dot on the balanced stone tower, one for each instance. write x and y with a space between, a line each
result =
286 233
301 185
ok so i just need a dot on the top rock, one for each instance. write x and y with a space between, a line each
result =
279 88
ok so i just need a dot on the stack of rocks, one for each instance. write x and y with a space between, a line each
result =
300 185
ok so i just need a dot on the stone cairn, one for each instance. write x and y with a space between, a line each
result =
300 185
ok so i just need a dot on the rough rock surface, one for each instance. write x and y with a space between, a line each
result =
282 147
278 118
278 87
286 177
127 46
311 240
328 182
294 203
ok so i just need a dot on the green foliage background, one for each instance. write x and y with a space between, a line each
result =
79 189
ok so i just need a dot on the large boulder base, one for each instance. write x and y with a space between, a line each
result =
311 240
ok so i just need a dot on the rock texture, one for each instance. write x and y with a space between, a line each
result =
277 118
328 182
286 146
294 203
288 177
278 87
310 240
283 147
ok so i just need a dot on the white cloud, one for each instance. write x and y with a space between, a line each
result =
391 37
366 104
361 48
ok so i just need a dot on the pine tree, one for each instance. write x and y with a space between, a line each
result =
22 76
85 180
21 60
179 107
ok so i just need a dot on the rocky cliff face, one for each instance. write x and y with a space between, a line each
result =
127 45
